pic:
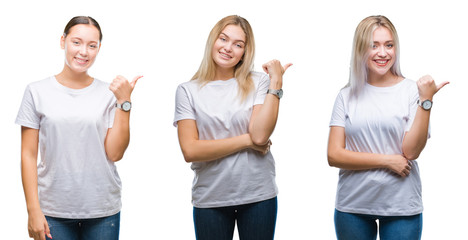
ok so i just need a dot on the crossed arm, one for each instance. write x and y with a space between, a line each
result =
413 142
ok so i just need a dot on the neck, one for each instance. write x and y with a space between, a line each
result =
224 74
72 79
387 80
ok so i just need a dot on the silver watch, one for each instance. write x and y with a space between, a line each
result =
125 106
426 104
277 92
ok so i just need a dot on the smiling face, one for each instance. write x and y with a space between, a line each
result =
382 54
81 46
229 48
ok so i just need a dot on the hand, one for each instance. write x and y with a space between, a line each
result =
37 226
275 70
399 165
427 87
264 149
122 89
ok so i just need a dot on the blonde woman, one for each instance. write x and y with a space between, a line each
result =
225 117
379 126
72 118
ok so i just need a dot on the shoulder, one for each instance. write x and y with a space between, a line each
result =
259 76
45 83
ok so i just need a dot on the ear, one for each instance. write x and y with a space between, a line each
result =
62 41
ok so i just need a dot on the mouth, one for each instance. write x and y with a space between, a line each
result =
225 55
382 62
81 61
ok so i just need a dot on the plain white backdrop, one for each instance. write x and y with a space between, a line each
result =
165 40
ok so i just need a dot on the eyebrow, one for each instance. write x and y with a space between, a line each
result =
236 40
77 38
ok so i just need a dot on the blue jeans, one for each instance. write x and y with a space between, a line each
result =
105 228
255 221
349 226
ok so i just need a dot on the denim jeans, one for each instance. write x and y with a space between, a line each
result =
255 221
349 226
105 228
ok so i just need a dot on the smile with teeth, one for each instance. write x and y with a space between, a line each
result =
381 62
80 60
224 55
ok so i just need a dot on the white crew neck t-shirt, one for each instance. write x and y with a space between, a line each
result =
240 178
376 123
75 178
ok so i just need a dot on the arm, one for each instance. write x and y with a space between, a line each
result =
195 150
118 137
37 224
339 156
415 139
264 116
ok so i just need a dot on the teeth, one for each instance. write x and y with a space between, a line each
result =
225 55
80 60
381 61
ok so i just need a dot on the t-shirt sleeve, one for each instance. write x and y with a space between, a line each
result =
183 106
27 114
338 117
262 89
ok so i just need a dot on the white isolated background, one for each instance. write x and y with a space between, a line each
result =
165 40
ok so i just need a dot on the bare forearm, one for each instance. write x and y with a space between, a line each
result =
29 179
350 160
118 137
415 140
264 123
209 150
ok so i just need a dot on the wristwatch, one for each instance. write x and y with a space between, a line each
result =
426 104
125 106
277 92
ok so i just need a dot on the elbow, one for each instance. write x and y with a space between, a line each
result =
115 157
189 156
259 140
331 159
411 156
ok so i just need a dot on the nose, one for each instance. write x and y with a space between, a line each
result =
382 52
83 50
228 47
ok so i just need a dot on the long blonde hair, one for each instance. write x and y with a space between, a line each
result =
363 40
242 73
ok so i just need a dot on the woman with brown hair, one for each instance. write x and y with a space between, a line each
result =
74 193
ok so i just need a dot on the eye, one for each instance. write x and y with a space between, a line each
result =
93 46
76 43
222 39
390 45
239 45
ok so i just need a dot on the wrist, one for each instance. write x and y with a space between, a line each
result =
276 83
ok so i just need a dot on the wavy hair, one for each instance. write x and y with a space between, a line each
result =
242 72
362 43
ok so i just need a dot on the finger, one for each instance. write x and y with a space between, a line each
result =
285 67
47 230
134 81
442 85
265 68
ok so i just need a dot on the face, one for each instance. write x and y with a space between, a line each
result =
229 48
81 46
382 53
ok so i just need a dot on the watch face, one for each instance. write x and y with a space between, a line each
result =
427 104
280 93
126 106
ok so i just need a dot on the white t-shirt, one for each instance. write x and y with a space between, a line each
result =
75 178
240 178
376 123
